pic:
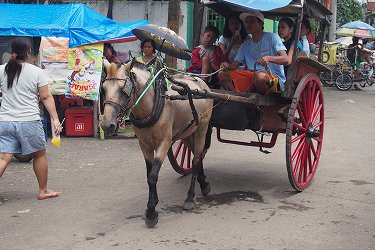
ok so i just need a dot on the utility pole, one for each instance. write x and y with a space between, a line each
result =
198 12
174 13
332 28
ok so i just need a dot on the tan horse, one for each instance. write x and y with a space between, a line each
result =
158 122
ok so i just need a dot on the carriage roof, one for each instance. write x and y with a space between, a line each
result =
272 8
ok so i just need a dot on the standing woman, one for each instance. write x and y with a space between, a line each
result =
234 35
21 129
148 51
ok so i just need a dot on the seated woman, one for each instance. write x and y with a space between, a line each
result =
287 32
110 53
234 35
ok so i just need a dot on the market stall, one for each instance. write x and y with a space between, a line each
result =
67 44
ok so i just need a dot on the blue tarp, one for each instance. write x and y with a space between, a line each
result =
81 24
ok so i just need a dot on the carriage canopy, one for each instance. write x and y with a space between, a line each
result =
271 8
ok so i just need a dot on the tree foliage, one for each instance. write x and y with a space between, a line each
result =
348 11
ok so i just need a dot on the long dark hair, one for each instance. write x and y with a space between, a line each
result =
290 24
20 51
227 33
110 47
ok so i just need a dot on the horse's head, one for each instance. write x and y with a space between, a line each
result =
120 89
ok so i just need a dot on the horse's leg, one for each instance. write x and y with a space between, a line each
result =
153 168
200 136
189 201
150 216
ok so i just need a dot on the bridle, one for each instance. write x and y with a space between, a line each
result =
128 90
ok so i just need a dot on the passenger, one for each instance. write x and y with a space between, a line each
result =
260 50
207 57
287 32
148 48
21 130
110 53
305 30
234 35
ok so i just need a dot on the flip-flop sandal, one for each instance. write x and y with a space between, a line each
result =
49 196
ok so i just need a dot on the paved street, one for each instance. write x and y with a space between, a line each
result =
251 205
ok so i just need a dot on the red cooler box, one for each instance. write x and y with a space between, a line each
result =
79 121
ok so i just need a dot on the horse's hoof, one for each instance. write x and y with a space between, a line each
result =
144 215
206 190
188 205
151 222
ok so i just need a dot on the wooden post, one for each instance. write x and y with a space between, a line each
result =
174 13
95 117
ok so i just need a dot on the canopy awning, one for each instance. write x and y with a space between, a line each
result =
81 24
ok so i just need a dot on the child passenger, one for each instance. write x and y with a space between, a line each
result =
207 57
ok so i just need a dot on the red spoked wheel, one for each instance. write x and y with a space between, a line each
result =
180 157
304 135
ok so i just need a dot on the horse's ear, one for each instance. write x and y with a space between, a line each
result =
128 66
106 64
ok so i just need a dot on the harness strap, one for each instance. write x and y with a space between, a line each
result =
190 97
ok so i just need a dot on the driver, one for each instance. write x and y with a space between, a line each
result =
262 49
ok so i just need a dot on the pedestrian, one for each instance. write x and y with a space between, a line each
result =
21 129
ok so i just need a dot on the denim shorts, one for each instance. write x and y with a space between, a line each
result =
21 137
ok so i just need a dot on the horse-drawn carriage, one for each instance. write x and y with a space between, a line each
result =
175 115
298 111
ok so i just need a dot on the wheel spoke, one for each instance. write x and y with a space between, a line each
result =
304 105
298 161
301 115
182 161
313 150
316 113
298 137
189 159
298 148
309 158
318 124
309 97
299 126
178 149
302 164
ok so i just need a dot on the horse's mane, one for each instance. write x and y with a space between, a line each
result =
138 65
112 71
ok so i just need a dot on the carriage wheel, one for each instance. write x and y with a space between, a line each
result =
180 157
304 135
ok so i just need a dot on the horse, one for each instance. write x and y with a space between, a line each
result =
158 122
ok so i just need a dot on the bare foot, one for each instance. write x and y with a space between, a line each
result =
48 195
